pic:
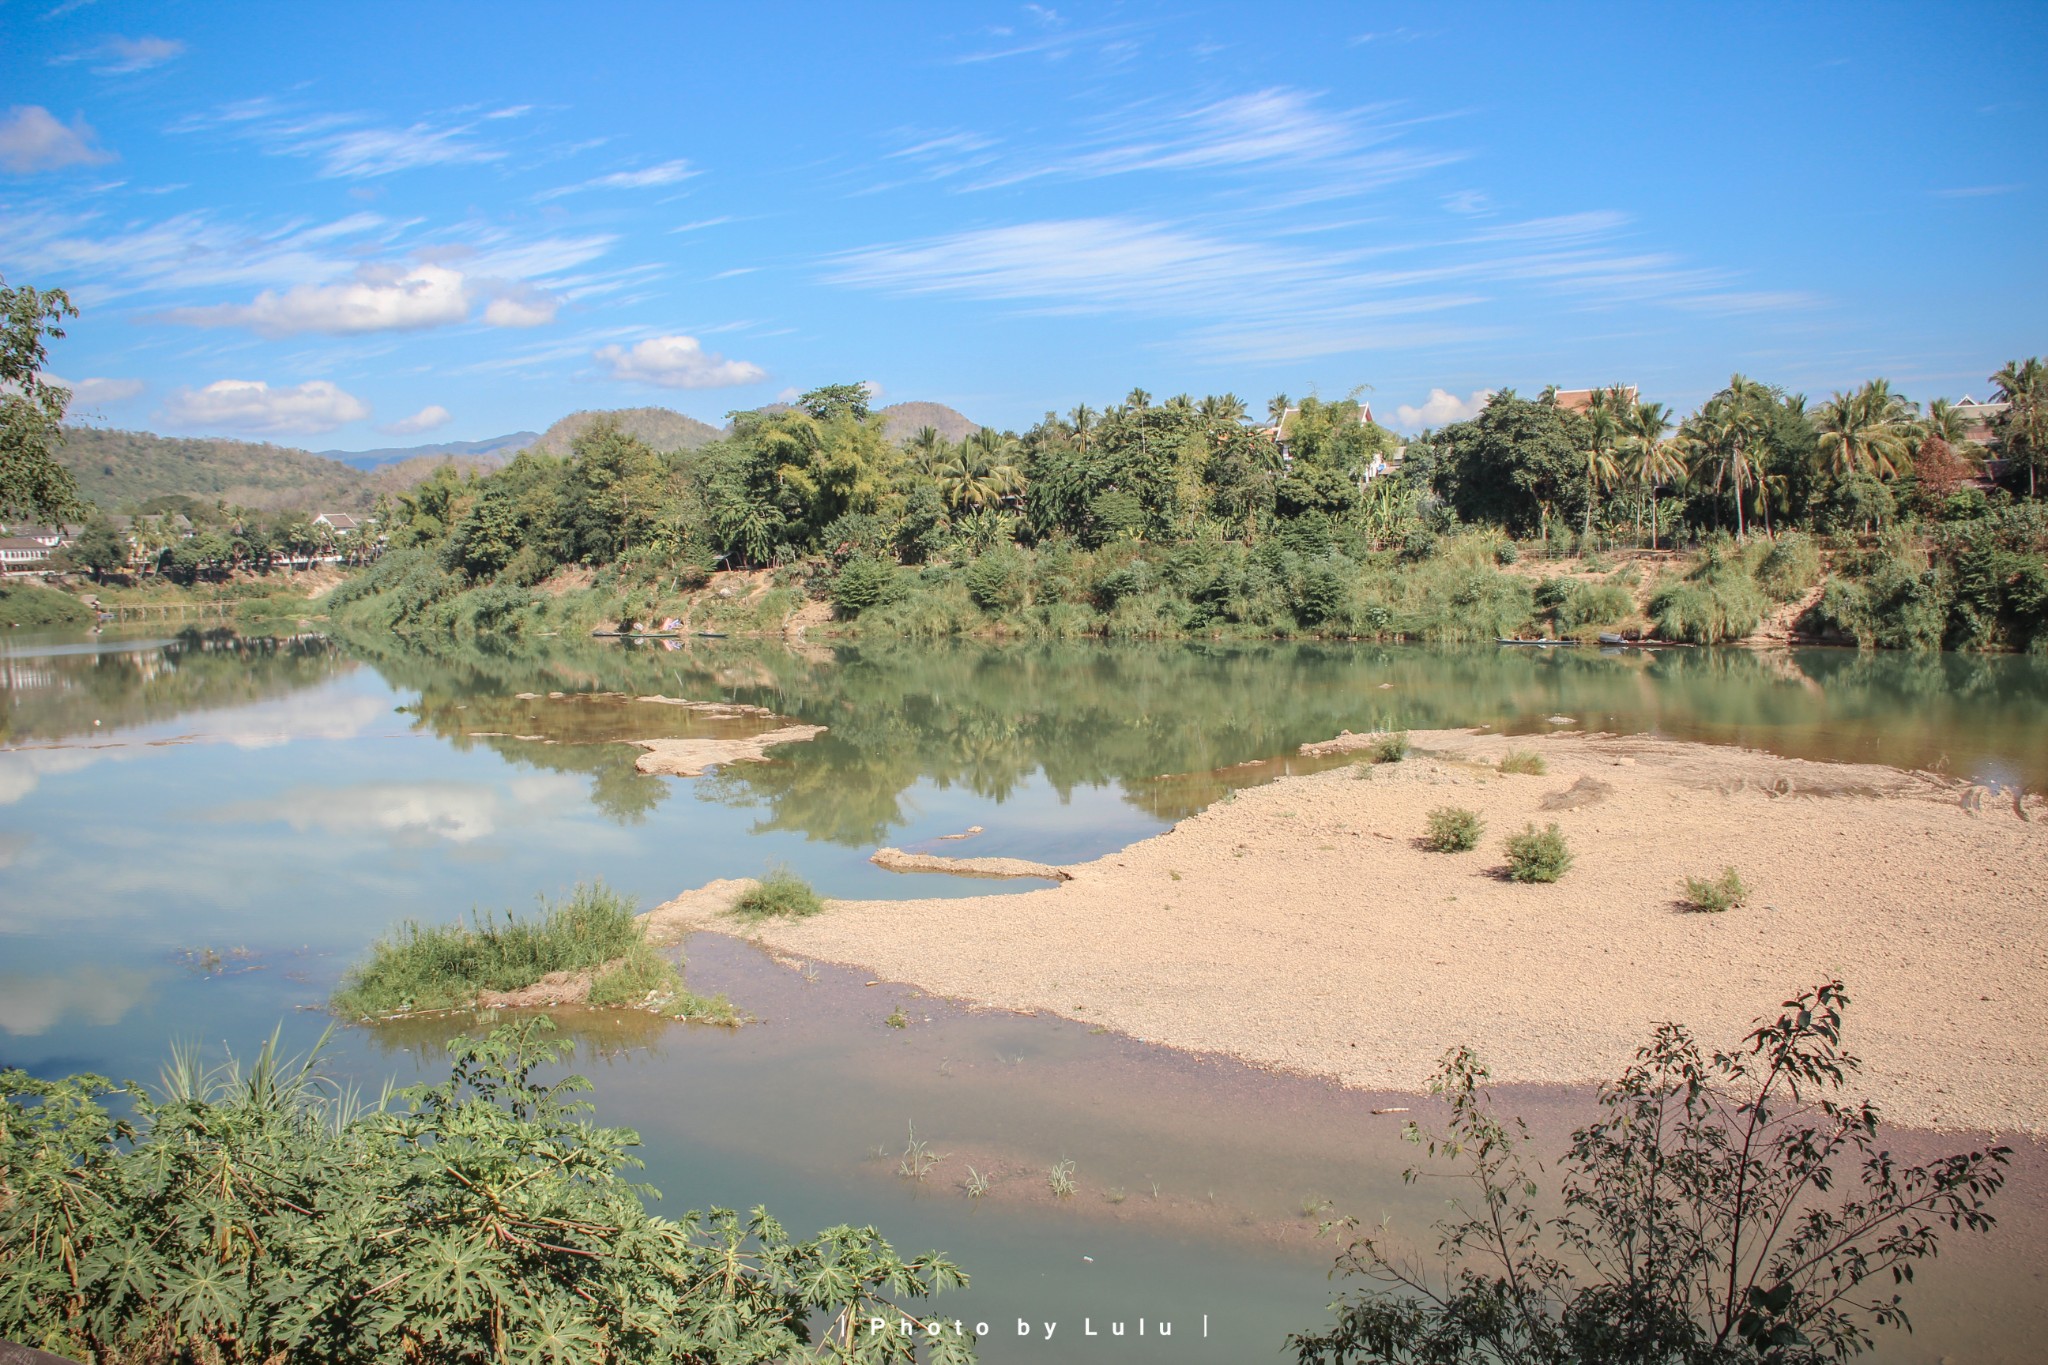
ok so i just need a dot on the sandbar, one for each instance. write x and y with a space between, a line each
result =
1301 925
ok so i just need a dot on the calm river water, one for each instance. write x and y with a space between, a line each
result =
198 833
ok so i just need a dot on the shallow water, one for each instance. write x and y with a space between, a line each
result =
198 832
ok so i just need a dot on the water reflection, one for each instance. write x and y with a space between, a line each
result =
984 718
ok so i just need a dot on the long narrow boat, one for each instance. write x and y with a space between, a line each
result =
1547 644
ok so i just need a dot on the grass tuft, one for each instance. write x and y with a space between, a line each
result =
1715 894
1525 761
1537 855
780 895
443 966
1060 1179
1390 748
1453 829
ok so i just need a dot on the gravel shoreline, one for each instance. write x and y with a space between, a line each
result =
1301 925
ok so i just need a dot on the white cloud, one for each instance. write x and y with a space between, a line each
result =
521 306
124 56
417 812
31 139
86 392
426 419
677 362
253 406
381 298
1441 408
667 173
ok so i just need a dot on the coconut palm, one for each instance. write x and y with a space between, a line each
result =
1720 438
1607 415
1082 418
1221 408
1276 408
2023 427
1870 431
1652 460
1945 424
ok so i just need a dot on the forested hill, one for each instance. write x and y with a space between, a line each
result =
900 421
666 429
505 446
119 469
660 428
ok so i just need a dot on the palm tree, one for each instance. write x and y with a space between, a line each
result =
1722 435
1945 424
1222 408
1276 408
1869 431
2023 428
1607 413
1138 400
1083 420
1652 459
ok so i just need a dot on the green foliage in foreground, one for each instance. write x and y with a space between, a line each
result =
1453 829
1538 855
1524 761
1724 892
33 608
1724 1210
779 895
444 966
1390 748
263 1216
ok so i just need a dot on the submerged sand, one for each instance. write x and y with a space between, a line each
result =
1301 925
695 756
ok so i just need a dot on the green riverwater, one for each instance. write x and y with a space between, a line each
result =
197 833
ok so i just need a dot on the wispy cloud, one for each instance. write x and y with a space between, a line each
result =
90 392
1976 191
667 173
33 139
1277 131
347 145
1278 299
124 56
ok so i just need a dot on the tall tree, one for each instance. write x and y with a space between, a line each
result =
2023 427
1653 461
1869 431
32 482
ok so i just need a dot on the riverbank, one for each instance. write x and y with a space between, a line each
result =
1302 925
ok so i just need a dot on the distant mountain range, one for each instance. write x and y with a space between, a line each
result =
371 459
121 469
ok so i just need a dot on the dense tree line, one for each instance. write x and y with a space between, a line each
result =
1295 524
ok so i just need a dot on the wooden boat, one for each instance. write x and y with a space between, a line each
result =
1546 644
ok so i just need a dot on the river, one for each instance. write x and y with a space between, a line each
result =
199 832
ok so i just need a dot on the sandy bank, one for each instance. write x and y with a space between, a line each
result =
1300 924
691 757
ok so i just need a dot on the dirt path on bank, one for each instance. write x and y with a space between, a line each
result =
1301 925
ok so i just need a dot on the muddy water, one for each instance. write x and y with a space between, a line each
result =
197 834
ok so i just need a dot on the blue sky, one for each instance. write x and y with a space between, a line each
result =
373 224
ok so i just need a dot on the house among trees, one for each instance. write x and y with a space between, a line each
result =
18 553
1581 400
343 523
1978 418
